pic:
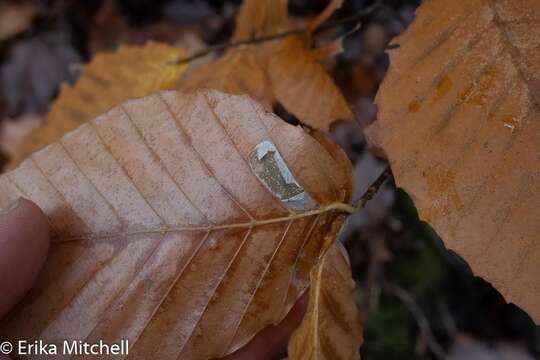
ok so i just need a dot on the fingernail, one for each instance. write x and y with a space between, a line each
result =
11 207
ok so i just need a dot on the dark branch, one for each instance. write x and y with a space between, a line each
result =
229 45
373 189
330 24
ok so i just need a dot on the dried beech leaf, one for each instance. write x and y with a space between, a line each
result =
239 71
108 80
258 18
184 223
303 87
331 328
459 119
285 70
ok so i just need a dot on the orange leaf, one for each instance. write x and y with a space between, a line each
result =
331 329
284 70
459 119
303 87
183 223
258 18
240 71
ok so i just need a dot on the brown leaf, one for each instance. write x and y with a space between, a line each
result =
285 70
303 87
238 72
184 223
288 72
459 119
331 328
258 18
106 81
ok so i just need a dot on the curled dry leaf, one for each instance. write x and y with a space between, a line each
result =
303 87
459 119
184 223
331 328
108 80
284 70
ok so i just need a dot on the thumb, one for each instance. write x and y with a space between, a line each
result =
24 242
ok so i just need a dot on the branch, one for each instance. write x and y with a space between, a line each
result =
229 45
373 189
418 315
328 25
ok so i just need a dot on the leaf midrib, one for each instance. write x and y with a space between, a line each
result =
336 206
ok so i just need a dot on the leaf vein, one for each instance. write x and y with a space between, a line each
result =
121 168
183 131
160 162
259 283
107 202
214 291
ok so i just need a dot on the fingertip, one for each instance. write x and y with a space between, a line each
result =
24 243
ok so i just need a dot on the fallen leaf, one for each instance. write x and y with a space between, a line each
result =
183 223
459 119
237 72
331 328
257 18
286 70
303 87
108 80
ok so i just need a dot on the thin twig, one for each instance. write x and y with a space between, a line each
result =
418 315
373 189
330 24
229 45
